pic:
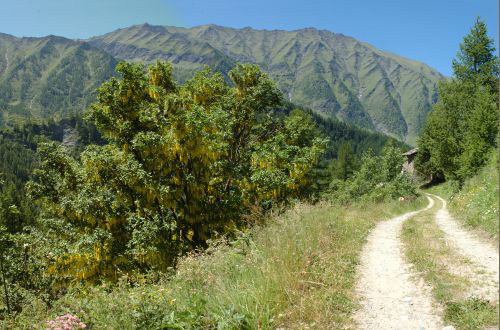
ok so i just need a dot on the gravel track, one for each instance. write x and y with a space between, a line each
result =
482 255
391 298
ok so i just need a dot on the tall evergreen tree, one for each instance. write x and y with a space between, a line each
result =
480 132
476 61
463 125
345 164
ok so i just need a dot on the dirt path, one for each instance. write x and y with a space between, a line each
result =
390 297
482 254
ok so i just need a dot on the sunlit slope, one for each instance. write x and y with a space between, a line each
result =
335 75
49 77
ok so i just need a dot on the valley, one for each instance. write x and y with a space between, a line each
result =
162 177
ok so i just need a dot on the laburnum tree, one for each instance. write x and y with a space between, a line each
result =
183 163
463 125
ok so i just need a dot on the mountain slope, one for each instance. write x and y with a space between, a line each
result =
49 77
333 74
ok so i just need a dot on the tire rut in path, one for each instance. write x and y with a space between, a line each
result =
391 299
482 254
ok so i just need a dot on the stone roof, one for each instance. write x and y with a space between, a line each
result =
411 152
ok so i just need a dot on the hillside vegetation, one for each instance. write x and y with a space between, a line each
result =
332 74
49 77
476 204
53 77
295 272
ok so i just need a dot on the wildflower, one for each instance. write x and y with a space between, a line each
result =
65 322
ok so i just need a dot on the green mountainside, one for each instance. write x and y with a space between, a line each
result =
335 75
45 81
48 77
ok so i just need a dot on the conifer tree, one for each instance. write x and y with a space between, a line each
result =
476 61
463 125
345 164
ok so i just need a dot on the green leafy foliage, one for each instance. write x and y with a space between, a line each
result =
379 178
33 245
23 268
307 255
464 123
20 268
184 163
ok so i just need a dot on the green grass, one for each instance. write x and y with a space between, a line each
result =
426 249
476 204
298 271
472 313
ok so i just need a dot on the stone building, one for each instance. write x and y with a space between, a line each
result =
409 164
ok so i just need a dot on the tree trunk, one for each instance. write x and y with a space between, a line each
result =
4 284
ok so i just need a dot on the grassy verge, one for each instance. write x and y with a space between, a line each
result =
427 251
296 272
476 204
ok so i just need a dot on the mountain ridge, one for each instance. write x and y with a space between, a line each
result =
326 71
49 77
336 75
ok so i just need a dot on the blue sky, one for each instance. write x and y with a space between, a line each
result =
425 30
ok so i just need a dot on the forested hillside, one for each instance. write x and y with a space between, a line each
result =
335 75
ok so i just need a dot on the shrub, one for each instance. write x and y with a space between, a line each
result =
183 163
379 178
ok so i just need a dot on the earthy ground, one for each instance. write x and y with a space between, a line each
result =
394 296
